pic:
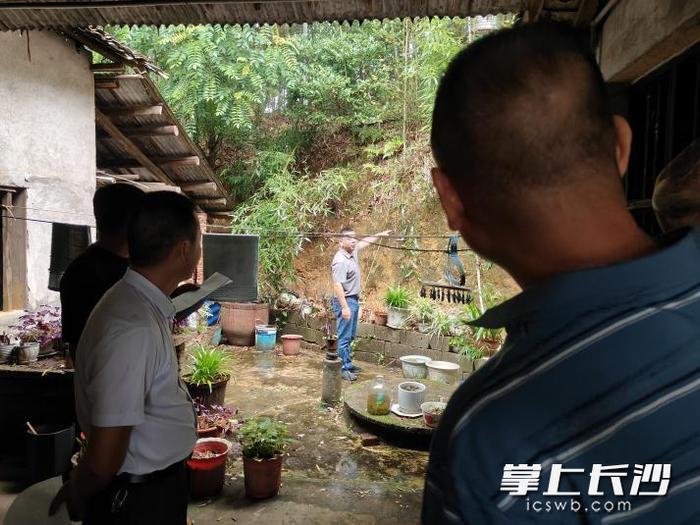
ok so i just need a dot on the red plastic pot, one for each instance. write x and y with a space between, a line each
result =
263 477
291 344
207 474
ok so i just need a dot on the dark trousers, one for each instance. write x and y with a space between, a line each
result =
159 500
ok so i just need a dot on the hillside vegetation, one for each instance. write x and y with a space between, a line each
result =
315 126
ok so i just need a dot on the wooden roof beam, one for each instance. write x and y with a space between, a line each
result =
161 162
106 83
205 203
199 187
174 162
123 176
148 131
133 111
108 67
128 145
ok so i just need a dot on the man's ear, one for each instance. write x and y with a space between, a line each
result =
449 198
623 143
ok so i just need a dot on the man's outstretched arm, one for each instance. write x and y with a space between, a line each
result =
363 243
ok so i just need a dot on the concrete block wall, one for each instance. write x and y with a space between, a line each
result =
379 344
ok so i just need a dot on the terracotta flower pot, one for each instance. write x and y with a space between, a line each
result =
263 477
206 397
291 344
380 318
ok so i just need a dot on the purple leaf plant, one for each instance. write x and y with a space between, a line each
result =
42 326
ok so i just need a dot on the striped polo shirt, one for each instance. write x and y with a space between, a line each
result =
600 367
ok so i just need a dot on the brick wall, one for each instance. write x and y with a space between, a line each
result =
198 276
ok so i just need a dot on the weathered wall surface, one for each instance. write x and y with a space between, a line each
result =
47 140
640 35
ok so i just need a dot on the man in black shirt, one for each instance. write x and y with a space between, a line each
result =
99 267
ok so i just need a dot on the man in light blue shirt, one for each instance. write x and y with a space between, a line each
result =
588 414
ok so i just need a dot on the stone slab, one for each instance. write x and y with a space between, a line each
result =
387 334
371 345
365 330
439 342
355 397
414 339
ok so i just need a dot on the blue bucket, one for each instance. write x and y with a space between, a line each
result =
265 337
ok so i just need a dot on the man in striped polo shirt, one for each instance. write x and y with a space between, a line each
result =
589 413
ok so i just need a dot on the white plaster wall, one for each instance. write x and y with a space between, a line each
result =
47 140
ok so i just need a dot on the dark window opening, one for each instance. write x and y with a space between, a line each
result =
664 113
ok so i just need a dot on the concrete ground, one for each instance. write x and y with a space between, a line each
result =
328 476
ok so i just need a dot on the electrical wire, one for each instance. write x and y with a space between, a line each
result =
381 245
228 228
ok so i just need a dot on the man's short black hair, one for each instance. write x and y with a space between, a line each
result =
113 205
522 108
162 219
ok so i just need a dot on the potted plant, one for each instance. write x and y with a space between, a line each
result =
7 347
207 467
423 312
432 412
291 344
263 443
398 299
215 421
208 375
37 331
29 345
380 317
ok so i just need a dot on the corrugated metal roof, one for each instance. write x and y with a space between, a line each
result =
135 90
96 39
58 14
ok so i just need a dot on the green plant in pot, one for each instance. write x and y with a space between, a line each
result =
423 313
208 375
7 347
263 442
398 301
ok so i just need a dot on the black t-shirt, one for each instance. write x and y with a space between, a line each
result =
83 284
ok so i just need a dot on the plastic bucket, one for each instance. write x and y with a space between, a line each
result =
443 371
49 451
207 474
413 366
265 337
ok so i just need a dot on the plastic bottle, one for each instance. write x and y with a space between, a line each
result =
378 397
